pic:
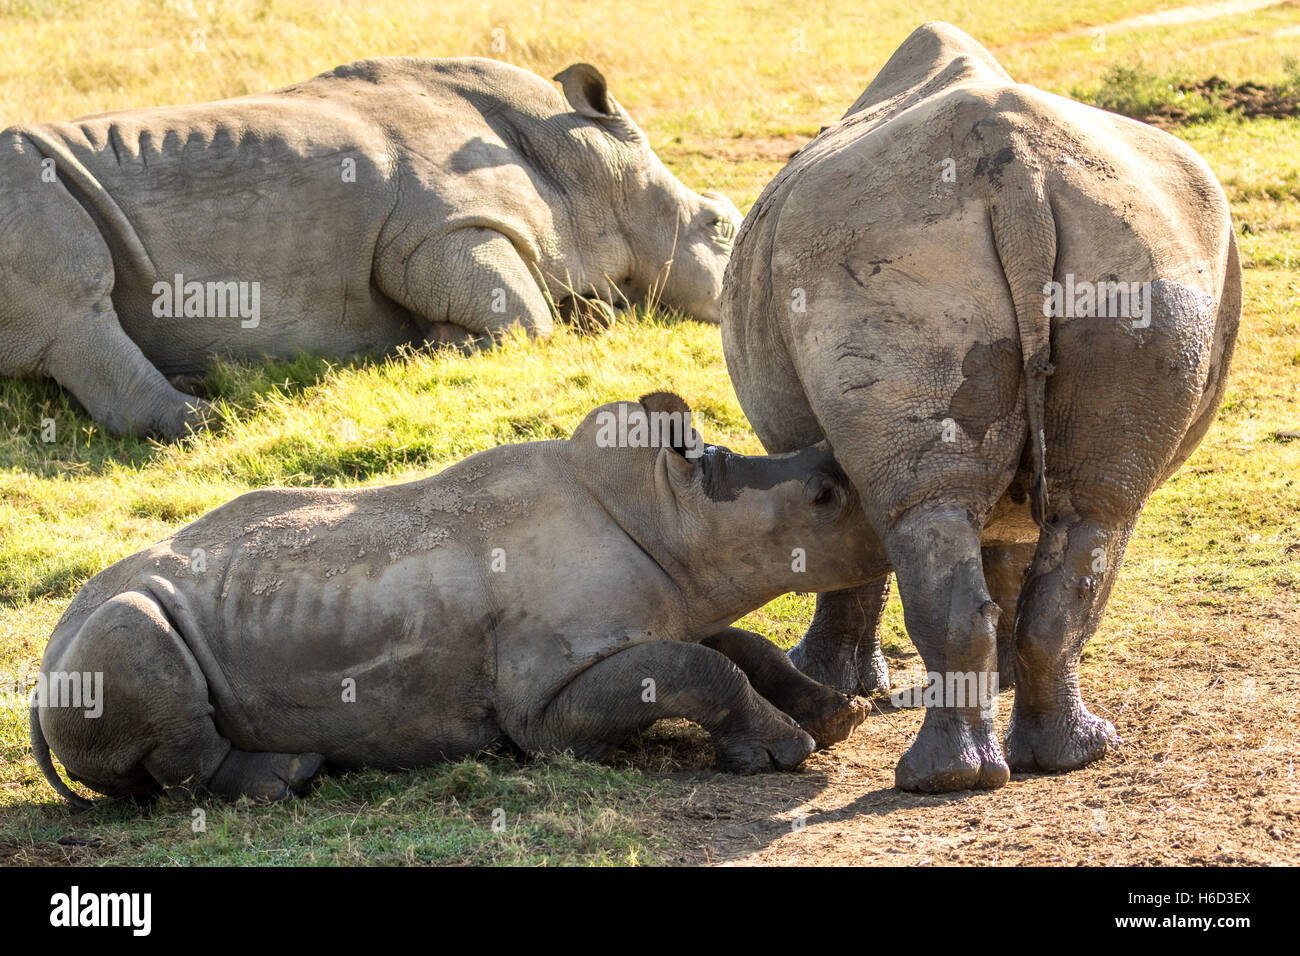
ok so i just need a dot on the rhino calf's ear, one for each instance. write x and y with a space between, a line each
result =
682 436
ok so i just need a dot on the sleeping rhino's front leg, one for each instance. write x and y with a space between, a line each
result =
820 710
630 690
470 286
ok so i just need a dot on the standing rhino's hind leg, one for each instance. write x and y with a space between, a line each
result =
953 622
842 647
1060 606
629 691
156 732
1005 566
820 710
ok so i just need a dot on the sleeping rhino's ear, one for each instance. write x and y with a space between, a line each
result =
586 91
677 428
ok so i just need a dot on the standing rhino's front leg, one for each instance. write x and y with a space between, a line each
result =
842 647
629 691
820 710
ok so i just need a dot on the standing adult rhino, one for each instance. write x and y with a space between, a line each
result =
389 201
562 594
1012 317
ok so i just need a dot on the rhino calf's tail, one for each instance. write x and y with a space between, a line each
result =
1024 234
41 751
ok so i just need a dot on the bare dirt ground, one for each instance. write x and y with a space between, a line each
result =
1207 705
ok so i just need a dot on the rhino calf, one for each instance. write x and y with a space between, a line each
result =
387 202
561 594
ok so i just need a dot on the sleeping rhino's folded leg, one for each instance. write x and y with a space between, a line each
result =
633 688
116 383
473 277
823 712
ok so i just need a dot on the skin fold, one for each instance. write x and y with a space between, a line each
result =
388 202
890 292
559 594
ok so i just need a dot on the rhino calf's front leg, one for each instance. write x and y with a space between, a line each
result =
820 710
633 688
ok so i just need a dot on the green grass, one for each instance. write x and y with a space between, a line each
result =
723 91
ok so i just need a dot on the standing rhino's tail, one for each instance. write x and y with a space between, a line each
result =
41 751
1024 234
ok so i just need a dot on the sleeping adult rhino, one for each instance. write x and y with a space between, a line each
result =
562 594
904 288
389 201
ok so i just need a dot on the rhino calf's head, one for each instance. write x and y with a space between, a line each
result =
665 243
735 530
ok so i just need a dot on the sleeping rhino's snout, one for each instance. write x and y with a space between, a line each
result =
701 248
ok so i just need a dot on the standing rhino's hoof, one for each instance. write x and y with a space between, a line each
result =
832 718
854 672
263 776
948 754
745 753
1058 742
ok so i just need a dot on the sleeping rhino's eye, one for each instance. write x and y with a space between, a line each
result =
724 230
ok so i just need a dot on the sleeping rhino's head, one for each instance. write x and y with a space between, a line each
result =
753 525
661 241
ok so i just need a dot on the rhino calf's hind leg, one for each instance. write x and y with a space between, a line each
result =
1074 568
56 311
820 710
632 689
156 731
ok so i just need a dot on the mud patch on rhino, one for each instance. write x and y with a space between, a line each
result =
987 393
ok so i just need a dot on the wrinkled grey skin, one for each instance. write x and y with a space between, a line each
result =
390 201
924 356
531 592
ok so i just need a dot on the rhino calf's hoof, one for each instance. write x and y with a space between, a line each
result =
833 718
263 776
191 414
749 754
1036 743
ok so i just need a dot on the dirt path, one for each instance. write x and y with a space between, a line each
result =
1208 703
1193 13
